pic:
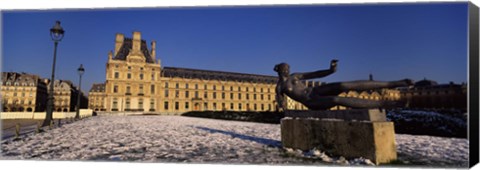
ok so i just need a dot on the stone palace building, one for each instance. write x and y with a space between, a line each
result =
136 81
23 92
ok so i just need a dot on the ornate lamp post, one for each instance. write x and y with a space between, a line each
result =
81 70
57 34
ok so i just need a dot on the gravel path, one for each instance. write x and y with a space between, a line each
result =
198 140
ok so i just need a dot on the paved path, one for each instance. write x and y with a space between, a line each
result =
198 140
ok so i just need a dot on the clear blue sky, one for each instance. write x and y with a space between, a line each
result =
391 41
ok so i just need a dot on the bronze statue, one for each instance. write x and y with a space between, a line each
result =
326 96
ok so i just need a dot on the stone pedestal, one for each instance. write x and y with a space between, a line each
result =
374 140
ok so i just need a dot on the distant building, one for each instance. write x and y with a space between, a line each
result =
96 97
430 94
136 81
65 96
22 92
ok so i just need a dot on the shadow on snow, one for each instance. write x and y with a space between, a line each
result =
264 141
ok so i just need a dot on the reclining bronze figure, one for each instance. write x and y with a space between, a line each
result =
326 96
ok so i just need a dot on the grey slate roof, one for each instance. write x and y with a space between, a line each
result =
22 79
98 87
216 75
127 46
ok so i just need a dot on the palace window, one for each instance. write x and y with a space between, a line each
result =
116 75
239 106
127 104
141 68
177 93
153 76
269 107
269 98
223 106
186 94
166 93
129 75
223 88
214 106
176 106
152 89
129 67
254 96
128 89
186 105
115 89
262 107
214 95
141 76
261 96
214 87
247 89
205 106
248 106
254 89
261 90
114 105
231 88
205 95
239 89
196 94
205 87
255 106
231 96
231 106
186 85
140 88
223 95
239 96
196 86
140 103
176 85
152 103
248 96
166 84
165 105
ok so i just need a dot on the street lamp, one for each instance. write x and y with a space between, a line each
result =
80 70
56 32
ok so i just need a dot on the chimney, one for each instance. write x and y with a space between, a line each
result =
153 50
137 41
118 42
110 55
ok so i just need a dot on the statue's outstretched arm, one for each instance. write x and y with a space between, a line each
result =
320 73
280 98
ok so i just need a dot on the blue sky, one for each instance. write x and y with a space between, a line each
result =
391 41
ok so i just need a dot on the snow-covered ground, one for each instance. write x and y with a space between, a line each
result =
199 140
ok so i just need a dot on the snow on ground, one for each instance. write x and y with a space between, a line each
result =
199 140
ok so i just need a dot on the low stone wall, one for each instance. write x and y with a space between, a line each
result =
41 115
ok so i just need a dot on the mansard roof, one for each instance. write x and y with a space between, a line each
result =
98 87
216 75
22 79
127 46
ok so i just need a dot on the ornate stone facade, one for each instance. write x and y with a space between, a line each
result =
136 81
22 92
430 94
65 96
